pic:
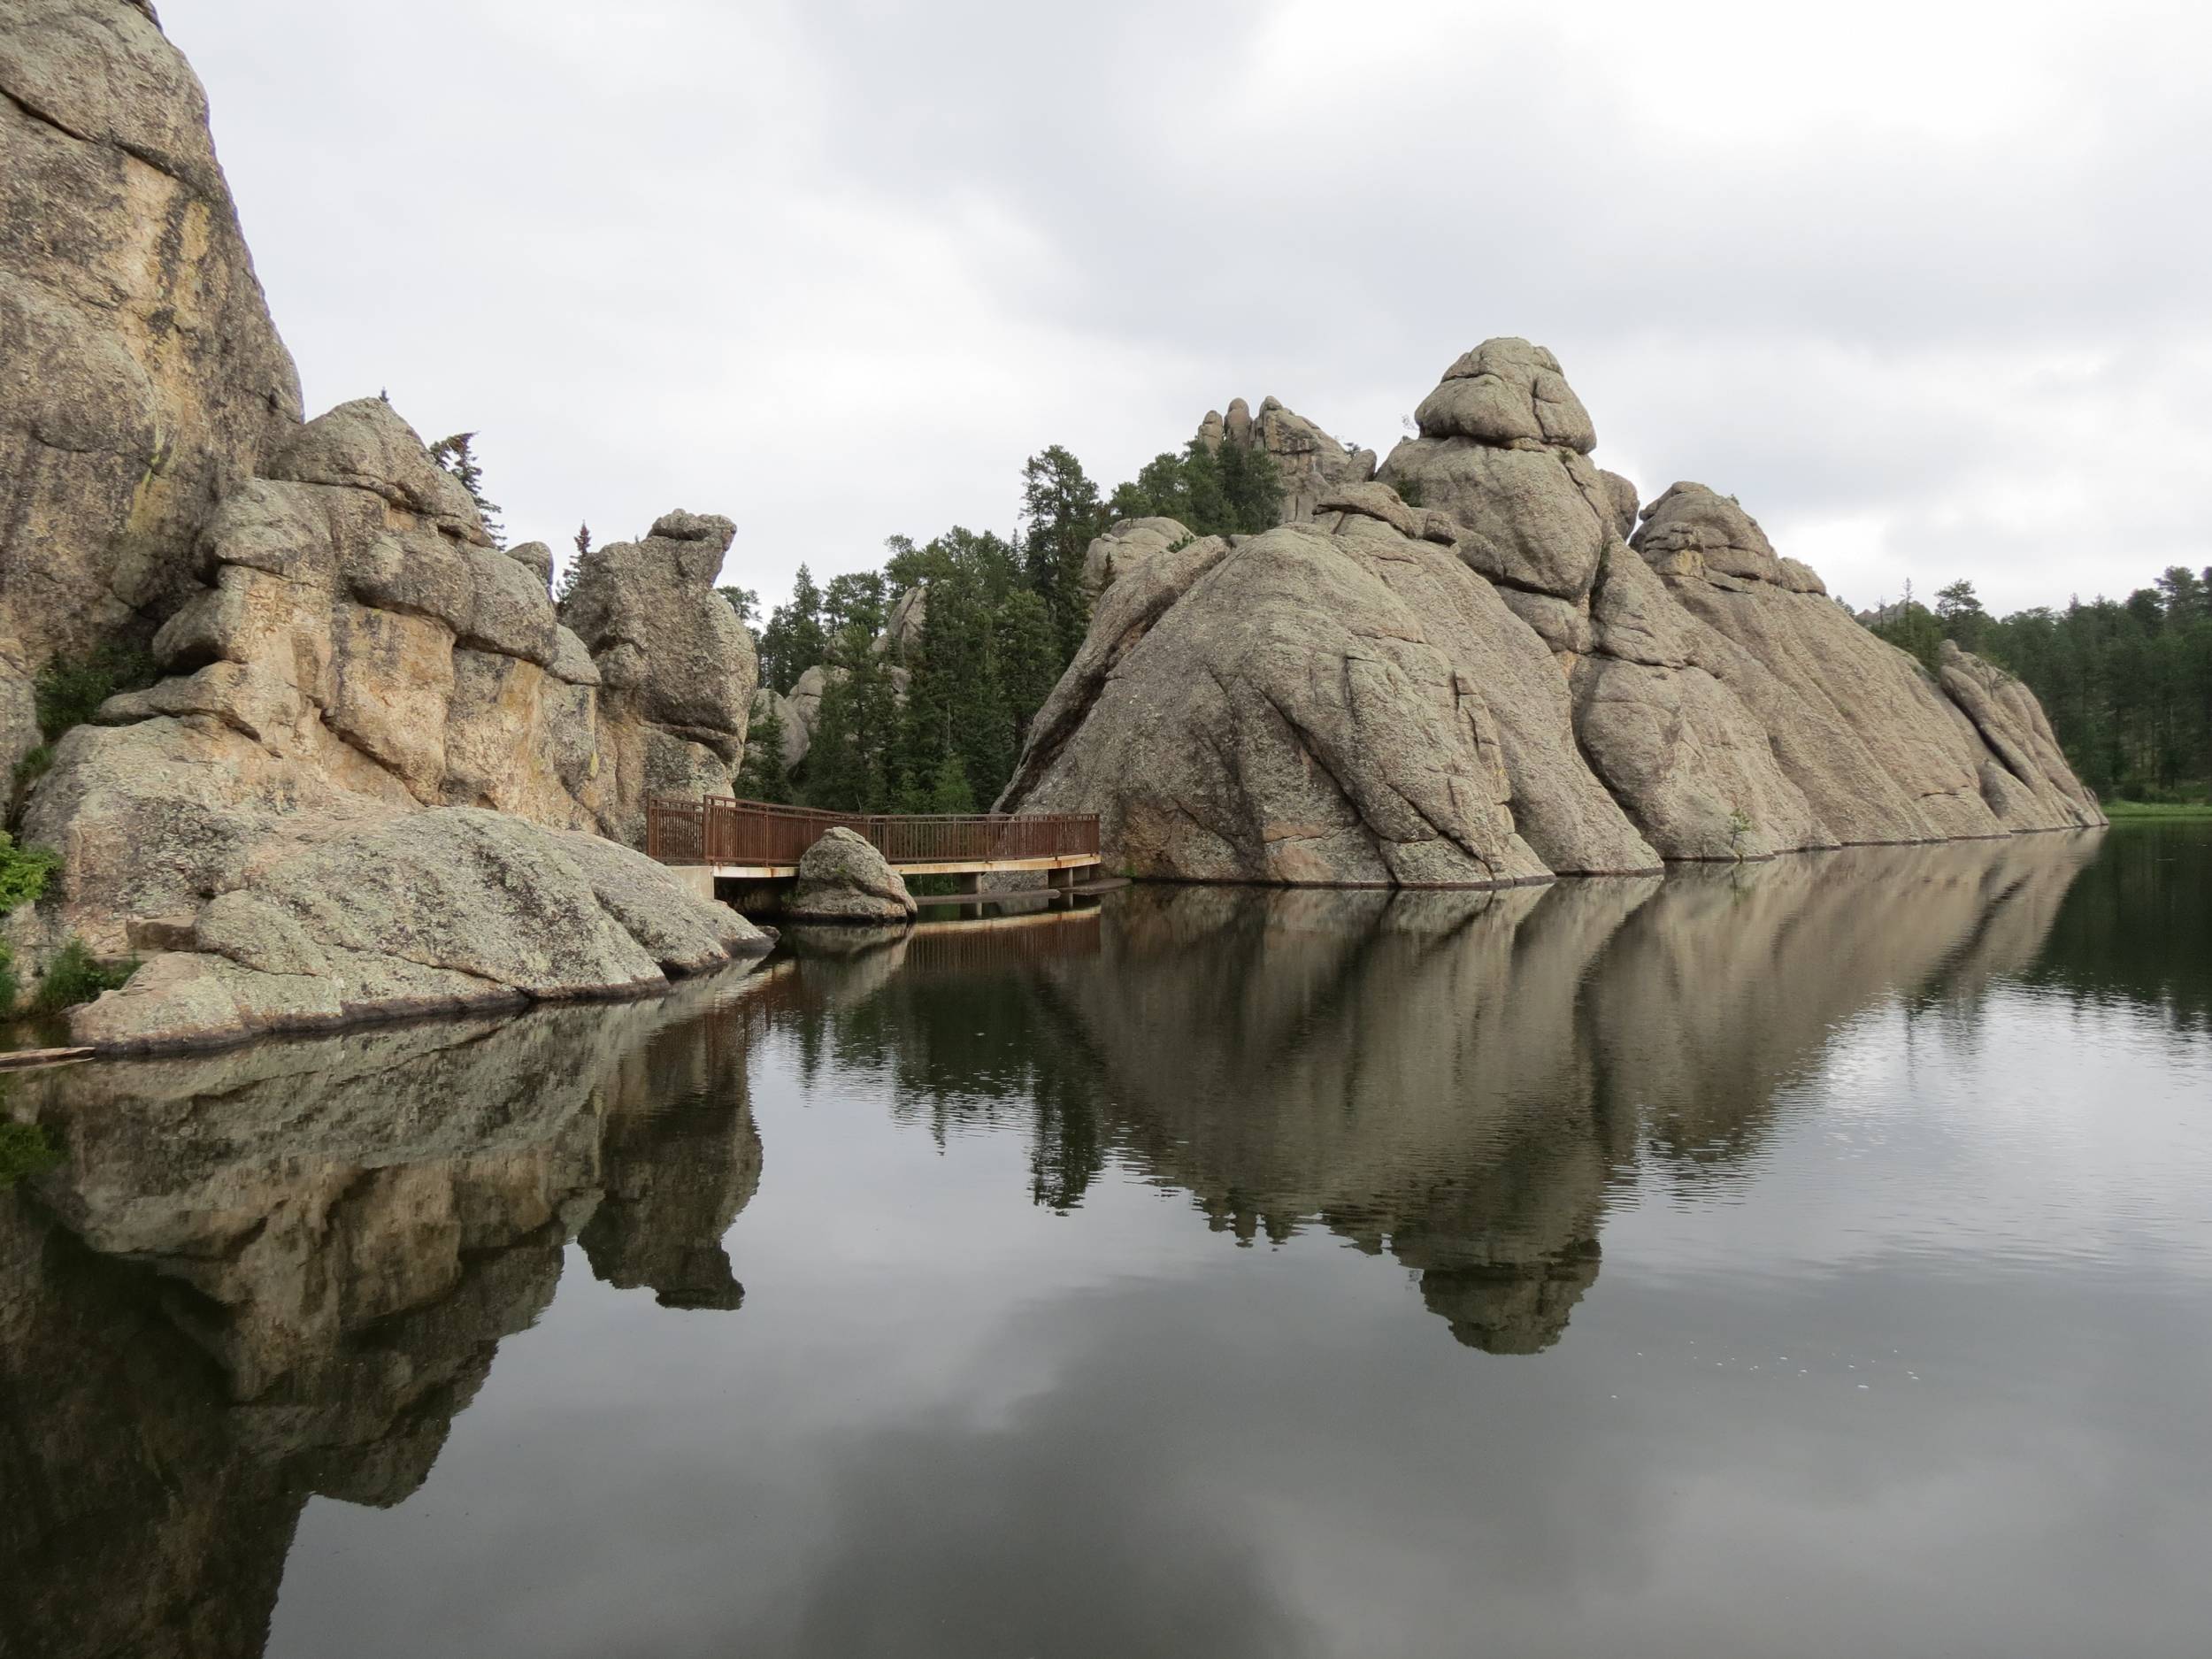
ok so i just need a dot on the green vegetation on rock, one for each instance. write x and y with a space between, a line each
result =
24 872
74 976
24 1150
69 691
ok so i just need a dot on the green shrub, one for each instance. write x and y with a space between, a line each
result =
33 766
24 1150
69 693
74 976
23 872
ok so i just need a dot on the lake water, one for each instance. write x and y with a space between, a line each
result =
1809 1258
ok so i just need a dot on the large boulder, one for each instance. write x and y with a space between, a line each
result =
369 701
360 649
842 878
1124 545
140 379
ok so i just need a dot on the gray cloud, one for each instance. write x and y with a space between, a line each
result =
1921 286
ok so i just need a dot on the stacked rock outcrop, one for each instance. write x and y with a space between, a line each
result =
1309 462
1497 685
377 774
140 377
361 651
677 669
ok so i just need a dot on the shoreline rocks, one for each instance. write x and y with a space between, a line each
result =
447 910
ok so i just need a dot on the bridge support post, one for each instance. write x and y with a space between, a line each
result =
1061 880
968 881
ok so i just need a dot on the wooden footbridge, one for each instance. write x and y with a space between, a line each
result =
754 841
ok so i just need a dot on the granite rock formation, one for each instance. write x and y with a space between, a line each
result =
358 679
140 379
1501 684
1309 462
677 669
842 878
361 652
1338 701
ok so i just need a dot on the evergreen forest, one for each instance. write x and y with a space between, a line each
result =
1003 616
2127 683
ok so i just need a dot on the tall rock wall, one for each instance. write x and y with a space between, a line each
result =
140 379
1511 679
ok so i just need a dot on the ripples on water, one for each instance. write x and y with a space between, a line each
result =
1802 1258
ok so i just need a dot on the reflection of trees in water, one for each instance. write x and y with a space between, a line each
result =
960 1021
2135 928
1457 1078
280 1271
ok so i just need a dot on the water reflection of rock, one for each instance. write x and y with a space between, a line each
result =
280 1271
1458 1079
681 1158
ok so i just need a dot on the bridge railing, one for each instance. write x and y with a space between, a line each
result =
721 831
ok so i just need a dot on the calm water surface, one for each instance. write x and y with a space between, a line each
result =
1810 1258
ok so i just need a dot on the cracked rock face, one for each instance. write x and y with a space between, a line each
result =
140 377
1494 686
425 912
360 650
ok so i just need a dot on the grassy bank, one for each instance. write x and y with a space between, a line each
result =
2117 811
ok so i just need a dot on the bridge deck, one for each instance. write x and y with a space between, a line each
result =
756 841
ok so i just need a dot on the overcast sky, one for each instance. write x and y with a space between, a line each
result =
1925 286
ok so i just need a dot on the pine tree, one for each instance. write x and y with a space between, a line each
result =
457 454
948 789
794 639
1062 512
1028 663
849 763
761 774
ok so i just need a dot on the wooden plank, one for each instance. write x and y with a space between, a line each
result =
13 1057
